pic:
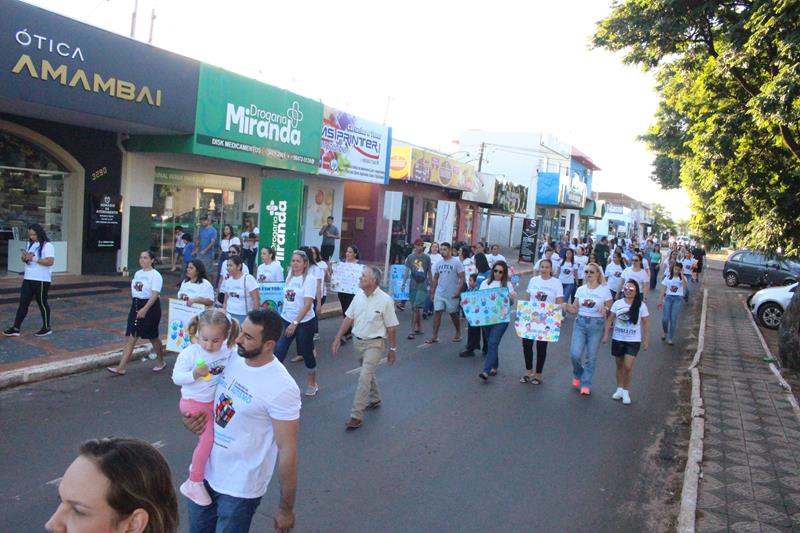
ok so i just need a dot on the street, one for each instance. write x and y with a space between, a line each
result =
445 452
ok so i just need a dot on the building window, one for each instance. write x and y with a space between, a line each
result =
428 220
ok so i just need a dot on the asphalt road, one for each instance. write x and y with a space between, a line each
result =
445 452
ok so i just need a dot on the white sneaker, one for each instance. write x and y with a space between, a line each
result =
617 395
195 491
626 397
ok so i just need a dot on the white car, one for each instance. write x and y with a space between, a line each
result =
769 304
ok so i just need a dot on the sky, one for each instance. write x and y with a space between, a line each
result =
430 69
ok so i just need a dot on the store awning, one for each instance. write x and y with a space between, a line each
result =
617 222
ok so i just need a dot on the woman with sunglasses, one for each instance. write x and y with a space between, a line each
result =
542 288
494 333
637 273
592 302
629 318
568 275
234 250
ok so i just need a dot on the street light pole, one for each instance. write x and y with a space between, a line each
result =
133 18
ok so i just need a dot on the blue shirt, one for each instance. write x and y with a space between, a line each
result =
482 276
187 252
205 236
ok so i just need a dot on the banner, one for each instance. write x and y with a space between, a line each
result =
345 277
270 294
527 247
354 148
396 283
486 307
414 164
279 216
445 221
538 321
178 320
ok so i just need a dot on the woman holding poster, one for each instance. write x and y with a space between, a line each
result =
592 302
543 288
351 256
494 333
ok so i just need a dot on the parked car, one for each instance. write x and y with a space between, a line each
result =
760 269
768 305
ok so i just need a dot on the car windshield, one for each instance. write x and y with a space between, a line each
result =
793 264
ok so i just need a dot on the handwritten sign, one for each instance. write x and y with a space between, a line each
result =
486 307
396 283
271 295
179 316
345 277
538 321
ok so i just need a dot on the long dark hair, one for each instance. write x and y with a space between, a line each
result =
481 263
504 280
41 237
633 312
310 255
355 251
201 270
466 251
571 252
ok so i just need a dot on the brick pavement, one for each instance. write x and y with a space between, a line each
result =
751 454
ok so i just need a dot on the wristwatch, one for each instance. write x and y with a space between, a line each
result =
295 323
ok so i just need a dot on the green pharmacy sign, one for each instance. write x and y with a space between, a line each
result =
280 216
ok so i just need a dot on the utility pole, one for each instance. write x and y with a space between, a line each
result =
152 22
480 156
133 18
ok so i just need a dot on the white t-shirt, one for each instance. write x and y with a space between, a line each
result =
545 290
245 237
567 273
33 270
294 294
144 283
687 263
201 390
555 260
486 284
614 276
591 302
494 259
179 242
319 271
269 273
247 399
223 273
190 290
624 330
674 286
641 277
581 261
239 299
435 258
225 244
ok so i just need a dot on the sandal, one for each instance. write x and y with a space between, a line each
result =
431 341
525 379
536 381
457 339
114 371
296 359
493 372
411 336
484 376
159 368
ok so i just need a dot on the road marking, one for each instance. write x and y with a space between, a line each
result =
353 371
55 481
158 444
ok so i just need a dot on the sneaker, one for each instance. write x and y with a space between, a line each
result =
670 342
44 331
585 391
626 397
617 395
576 383
312 390
467 353
11 332
316 336
195 491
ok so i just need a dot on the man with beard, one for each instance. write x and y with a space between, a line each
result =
257 401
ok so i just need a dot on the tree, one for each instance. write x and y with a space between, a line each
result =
662 220
728 123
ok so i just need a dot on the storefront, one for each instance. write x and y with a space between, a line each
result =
559 201
67 90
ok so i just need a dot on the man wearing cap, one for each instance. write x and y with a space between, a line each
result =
418 268
207 238
372 316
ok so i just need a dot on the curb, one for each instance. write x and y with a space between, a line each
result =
691 476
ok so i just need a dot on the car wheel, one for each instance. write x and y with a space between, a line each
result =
789 281
770 315
731 279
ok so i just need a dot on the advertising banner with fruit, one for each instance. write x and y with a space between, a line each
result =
486 307
413 164
538 321
178 319
354 148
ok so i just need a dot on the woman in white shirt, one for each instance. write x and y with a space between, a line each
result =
592 302
233 251
629 318
227 239
145 314
568 275
345 299
433 253
614 274
637 272
298 315
542 288
195 288
270 270
581 260
319 269
38 257
688 264
671 298
495 332
241 290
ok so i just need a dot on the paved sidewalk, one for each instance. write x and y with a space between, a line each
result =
751 456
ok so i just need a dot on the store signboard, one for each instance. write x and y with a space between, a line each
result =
88 76
400 162
354 148
187 178
245 120
510 197
573 192
528 244
105 221
280 216
484 189
414 164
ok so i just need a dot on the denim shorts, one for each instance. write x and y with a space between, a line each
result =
441 303
621 348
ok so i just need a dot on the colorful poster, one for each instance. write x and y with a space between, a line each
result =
345 277
280 216
538 321
354 148
320 207
178 320
271 295
486 307
414 164
396 283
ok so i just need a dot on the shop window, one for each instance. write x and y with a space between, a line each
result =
428 220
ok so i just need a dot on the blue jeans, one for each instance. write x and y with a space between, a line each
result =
494 334
304 333
669 317
686 289
226 514
586 336
569 292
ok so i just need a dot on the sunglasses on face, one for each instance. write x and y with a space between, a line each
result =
636 261
630 289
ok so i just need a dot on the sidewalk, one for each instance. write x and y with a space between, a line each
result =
751 453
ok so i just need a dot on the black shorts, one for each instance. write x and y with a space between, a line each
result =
698 267
620 348
147 327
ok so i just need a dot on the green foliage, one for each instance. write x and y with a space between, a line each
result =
662 220
728 123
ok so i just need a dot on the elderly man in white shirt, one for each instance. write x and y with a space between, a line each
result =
372 316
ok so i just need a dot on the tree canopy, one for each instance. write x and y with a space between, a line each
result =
728 123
